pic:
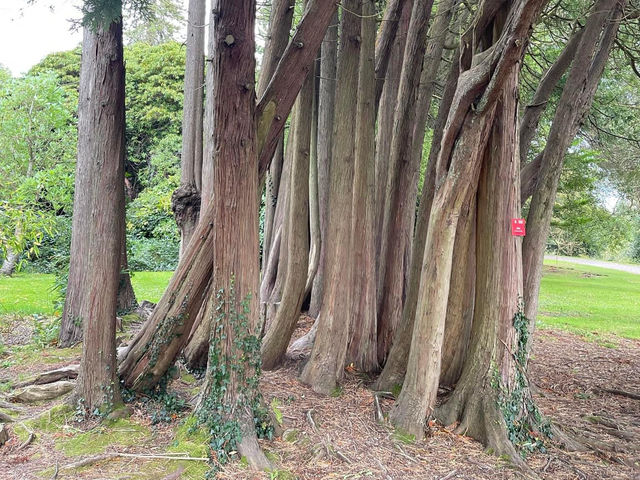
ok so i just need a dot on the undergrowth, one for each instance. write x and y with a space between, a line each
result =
527 429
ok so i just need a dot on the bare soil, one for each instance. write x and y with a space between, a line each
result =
580 385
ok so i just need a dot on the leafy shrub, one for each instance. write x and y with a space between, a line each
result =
152 254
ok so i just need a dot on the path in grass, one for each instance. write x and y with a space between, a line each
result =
624 267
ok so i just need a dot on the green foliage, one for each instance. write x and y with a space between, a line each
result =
233 376
527 428
45 330
37 141
161 23
154 83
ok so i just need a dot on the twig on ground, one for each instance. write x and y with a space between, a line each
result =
27 442
449 475
310 420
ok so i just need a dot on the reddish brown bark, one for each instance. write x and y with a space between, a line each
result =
481 128
157 345
326 363
98 220
362 342
401 189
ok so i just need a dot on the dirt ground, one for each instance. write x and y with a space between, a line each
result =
580 385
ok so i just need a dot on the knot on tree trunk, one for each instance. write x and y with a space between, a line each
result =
185 203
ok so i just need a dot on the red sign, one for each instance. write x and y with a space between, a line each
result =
517 227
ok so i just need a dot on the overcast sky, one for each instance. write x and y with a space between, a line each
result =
29 32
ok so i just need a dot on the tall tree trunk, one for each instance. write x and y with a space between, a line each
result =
362 342
279 26
156 346
401 190
234 288
392 33
392 375
384 134
481 128
577 95
98 217
275 342
326 363
326 106
461 301
185 201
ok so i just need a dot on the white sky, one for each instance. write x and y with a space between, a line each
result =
28 33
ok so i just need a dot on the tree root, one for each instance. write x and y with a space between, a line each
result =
477 411
69 372
38 393
249 448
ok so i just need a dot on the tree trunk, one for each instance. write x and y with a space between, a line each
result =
126 296
314 207
326 106
401 190
326 363
392 375
362 343
156 346
461 296
232 371
279 26
480 128
384 134
392 34
98 220
577 95
276 341
9 263
185 201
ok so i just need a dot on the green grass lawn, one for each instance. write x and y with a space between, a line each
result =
588 300
578 298
28 293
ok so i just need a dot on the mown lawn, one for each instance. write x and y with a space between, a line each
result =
588 300
578 298
28 293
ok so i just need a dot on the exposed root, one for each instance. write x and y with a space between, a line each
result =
477 411
69 372
249 448
38 393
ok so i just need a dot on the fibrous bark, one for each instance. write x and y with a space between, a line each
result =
156 346
326 363
98 219
362 340
480 136
235 277
185 201
275 342
394 369
326 105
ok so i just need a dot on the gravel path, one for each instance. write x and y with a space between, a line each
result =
597 263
